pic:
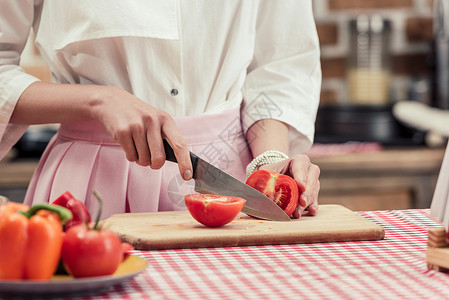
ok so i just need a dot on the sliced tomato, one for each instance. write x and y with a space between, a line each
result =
282 189
213 210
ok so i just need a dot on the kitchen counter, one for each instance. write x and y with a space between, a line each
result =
393 178
393 268
15 175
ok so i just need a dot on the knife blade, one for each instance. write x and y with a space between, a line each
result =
211 180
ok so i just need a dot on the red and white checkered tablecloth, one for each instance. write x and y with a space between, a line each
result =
393 268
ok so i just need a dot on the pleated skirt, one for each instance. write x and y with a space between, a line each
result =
83 157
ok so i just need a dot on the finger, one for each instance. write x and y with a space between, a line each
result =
313 208
298 212
299 169
312 186
156 146
142 146
303 168
180 148
125 140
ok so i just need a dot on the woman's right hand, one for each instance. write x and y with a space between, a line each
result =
139 128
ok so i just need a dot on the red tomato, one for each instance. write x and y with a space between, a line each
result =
126 248
213 210
79 210
282 189
88 252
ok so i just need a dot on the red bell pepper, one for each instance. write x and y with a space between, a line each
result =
79 210
30 240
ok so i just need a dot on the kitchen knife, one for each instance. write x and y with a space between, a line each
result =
211 180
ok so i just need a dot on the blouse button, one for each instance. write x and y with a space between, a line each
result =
174 92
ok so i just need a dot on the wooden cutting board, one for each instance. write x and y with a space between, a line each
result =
174 230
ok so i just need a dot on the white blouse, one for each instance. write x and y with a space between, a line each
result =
185 57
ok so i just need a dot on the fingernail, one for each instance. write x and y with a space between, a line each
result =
187 175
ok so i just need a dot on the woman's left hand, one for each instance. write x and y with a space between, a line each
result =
306 175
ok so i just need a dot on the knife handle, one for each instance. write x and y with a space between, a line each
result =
170 156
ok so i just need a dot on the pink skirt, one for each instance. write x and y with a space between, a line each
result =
83 157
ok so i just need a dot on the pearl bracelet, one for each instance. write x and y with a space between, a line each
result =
268 157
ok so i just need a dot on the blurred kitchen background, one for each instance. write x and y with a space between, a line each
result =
374 53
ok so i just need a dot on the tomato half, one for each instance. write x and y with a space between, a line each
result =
213 210
282 189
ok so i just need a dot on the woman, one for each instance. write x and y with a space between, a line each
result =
227 80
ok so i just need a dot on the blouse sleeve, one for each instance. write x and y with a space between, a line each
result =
16 18
284 78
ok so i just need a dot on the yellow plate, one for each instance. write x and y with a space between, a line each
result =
65 284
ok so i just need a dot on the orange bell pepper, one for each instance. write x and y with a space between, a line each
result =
30 240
